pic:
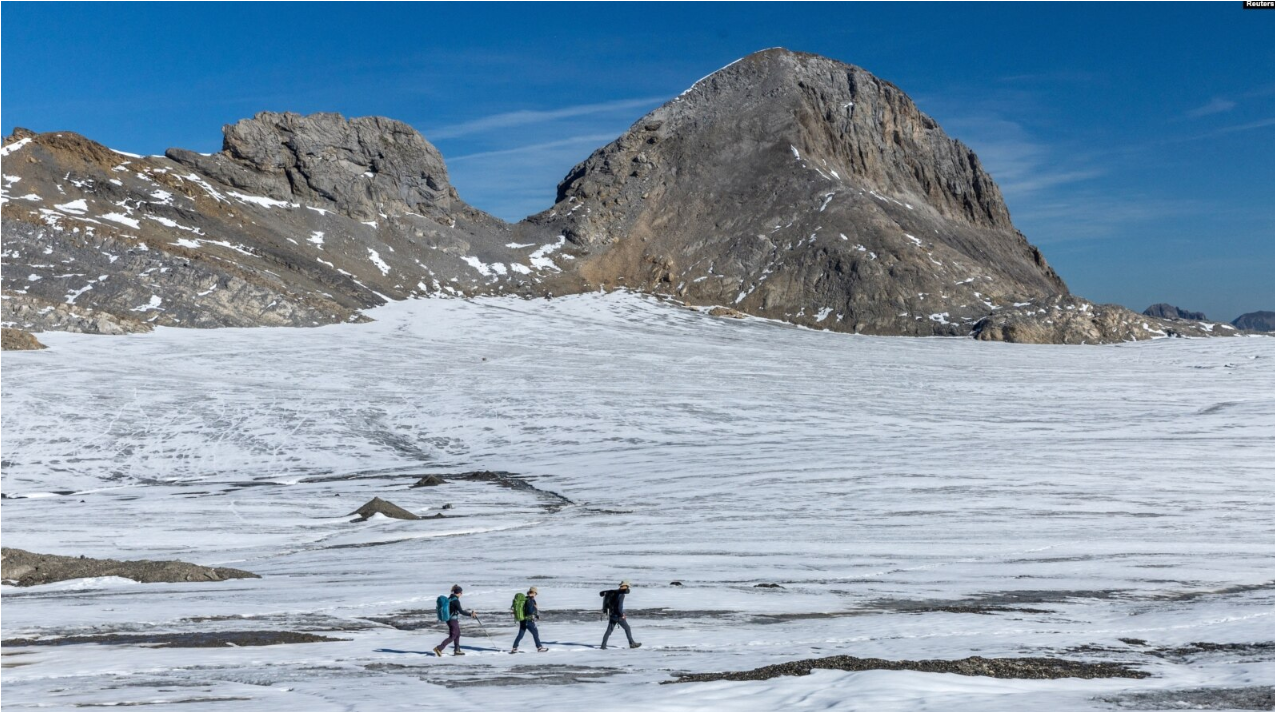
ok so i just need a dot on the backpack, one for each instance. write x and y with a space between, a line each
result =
519 606
444 607
609 600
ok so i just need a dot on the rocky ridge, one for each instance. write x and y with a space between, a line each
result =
786 186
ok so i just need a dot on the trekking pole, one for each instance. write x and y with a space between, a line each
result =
485 634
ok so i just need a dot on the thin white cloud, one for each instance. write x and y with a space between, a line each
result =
520 118
1217 105
537 149
1021 164
1242 127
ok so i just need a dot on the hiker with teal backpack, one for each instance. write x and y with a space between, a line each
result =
526 614
614 608
448 609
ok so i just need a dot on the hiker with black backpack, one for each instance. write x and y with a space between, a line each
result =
448 609
614 608
526 614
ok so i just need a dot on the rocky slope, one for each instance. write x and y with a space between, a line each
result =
785 185
299 221
1256 321
800 188
1161 310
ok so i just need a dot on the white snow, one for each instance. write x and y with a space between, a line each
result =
14 146
75 206
540 257
823 314
208 188
719 453
698 81
170 223
483 268
261 200
316 237
376 260
153 304
186 243
121 219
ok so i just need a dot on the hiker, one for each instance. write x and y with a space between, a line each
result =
527 614
449 609
614 607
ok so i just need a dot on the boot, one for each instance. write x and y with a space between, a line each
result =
458 652
542 649
438 651
634 645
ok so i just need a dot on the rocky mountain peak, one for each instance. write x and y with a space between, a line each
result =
1162 310
364 168
785 185
798 114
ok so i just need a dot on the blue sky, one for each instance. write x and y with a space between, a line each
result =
1134 142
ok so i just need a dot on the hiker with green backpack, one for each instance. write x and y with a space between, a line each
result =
448 609
526 614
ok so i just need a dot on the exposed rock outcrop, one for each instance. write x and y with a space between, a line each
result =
24 569
1162 310
1256 321
18 340
377 506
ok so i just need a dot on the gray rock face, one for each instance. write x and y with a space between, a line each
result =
1162 310
108 243
797 187
1256 321
785 185
364 168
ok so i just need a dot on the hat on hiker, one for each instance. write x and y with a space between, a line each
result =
624 584
456 589
532 591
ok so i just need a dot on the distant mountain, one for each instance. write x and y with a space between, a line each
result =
1256 321
1162 310
785 185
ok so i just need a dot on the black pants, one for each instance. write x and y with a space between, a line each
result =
612 621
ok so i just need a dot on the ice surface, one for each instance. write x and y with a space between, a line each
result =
1120 492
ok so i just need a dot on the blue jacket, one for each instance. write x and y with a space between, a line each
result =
530 611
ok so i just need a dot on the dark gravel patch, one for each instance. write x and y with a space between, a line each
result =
1247 698
1032 668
